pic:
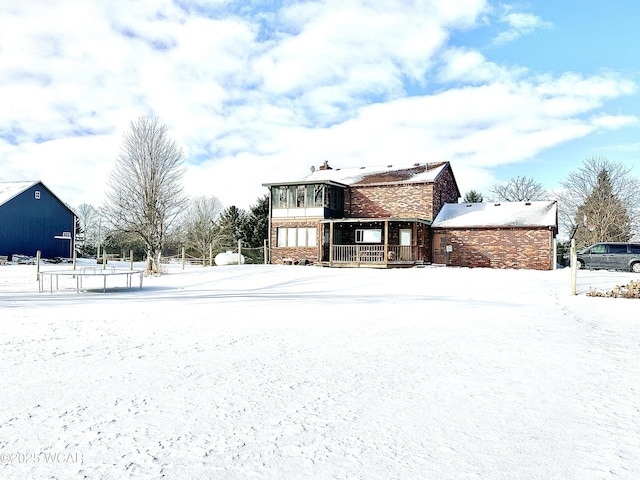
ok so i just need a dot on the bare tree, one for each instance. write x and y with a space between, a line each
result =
519 189
88 223
601 202
201 228
145 192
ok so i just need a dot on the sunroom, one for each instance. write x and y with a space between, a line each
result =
367 242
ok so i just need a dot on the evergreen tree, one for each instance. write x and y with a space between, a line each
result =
473 197
255 227
602 194
231 223
604 213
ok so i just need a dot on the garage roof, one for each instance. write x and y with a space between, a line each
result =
503 214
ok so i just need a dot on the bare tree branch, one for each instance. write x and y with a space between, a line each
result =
201 227
519 189
145 192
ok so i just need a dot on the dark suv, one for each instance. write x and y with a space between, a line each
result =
611 256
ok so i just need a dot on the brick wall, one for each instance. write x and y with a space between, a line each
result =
296 253
420 200
445 191
384 201
500 247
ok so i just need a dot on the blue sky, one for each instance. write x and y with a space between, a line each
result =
259 91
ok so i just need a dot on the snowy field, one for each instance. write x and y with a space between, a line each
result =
273 372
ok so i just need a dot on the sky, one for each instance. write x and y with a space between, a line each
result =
260 91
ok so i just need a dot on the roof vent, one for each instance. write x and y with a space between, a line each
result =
496 204
389 166
469 204
527 203
362 168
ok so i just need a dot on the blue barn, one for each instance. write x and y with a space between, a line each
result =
32 218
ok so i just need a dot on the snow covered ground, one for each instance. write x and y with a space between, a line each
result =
276 372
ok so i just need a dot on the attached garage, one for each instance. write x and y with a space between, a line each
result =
496 235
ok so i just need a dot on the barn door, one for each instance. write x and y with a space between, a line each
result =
439 248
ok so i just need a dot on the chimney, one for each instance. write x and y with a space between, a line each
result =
325 166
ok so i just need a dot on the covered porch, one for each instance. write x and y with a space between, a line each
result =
381 243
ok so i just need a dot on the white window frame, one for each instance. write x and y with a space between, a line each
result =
281 237
312 237
296 237
368 235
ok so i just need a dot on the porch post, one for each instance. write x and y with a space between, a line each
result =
414 242
386 242
331 243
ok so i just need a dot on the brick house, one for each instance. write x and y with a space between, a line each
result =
368 216
497 235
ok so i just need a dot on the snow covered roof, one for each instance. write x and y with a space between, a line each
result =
504 214
416 173
9 190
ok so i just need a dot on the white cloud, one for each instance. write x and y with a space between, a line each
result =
258 97
520 24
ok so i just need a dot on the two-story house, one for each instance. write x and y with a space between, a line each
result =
368 216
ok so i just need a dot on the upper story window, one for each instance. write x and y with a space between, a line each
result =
37 194
307 196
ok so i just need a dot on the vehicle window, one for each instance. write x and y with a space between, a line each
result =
600 248
634 248
617 249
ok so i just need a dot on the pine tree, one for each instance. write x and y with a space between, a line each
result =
473 197
231 221
604 214
255 227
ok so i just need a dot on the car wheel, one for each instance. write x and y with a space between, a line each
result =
635 267
580 265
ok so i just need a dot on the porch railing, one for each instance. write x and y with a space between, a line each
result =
402 254
373 254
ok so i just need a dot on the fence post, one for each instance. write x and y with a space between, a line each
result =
265 251
75 259
104 258
574 266
183 258
130 259
38 265
239 252
211 254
